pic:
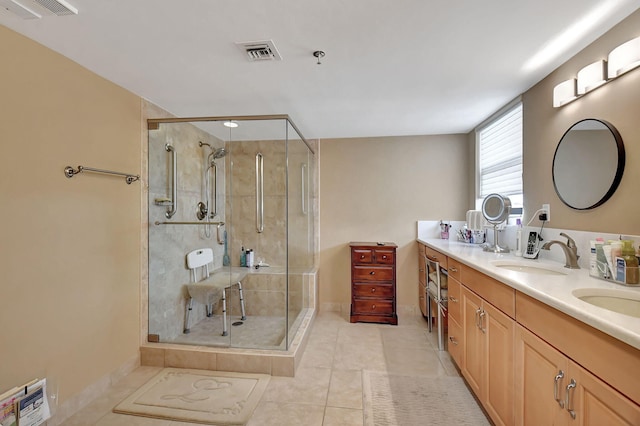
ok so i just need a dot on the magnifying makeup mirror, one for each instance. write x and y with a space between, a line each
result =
496 209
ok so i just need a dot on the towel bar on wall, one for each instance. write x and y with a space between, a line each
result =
70 172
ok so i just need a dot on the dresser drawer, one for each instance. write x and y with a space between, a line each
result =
372 290
373 306
361 256
453 303
387 257
372 273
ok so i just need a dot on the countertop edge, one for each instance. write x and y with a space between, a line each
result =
554 291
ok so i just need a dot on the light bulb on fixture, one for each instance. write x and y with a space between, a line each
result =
624 58
591 76
230 124
564 93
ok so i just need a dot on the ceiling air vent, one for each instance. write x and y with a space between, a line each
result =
36 9
260 50
58 7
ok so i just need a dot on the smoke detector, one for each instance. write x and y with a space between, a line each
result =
260 50
36 9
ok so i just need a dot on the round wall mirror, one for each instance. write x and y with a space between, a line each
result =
496 209
588 164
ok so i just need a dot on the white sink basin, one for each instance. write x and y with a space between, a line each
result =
529 267
622 301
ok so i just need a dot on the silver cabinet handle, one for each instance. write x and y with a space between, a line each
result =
453 299
453 340
453 269
174 181
556 395
259 193
478 317
372 273
567 403
482 315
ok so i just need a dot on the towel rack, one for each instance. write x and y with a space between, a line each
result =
189 223
70 172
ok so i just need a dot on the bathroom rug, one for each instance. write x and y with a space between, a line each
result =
199 396
394 399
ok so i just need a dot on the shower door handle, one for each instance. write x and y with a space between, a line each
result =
174 181
303 172
259 192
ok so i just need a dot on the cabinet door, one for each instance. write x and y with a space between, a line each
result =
498 395
541 375
473 342
595 403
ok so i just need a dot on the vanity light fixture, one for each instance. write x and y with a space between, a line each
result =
624 58
564 93
591 77
230 124
621 59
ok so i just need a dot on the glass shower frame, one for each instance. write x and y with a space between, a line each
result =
274 295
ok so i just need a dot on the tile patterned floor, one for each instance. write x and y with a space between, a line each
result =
327 389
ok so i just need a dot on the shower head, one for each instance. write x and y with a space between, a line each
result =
219 153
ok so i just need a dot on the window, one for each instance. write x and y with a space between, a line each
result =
499 144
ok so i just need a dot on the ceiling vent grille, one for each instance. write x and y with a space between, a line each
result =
58 7
260 50
36 9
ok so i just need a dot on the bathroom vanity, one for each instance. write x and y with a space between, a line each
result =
531 351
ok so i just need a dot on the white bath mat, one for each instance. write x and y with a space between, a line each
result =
391 400
200 396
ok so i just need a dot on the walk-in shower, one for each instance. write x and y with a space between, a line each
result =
214 193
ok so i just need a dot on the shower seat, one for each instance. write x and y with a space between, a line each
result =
211 287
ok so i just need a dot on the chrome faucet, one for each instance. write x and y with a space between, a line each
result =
570 251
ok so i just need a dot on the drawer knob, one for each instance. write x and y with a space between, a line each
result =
362 256
453 299
372 273
453 269
373 290
373 306
384 257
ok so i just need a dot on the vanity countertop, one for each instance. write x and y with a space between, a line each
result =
553 290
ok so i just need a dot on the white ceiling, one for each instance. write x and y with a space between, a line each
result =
403 67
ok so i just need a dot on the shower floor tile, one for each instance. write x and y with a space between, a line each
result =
255 332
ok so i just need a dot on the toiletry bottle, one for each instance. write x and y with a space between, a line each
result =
519 238
250 258
631 262
243 257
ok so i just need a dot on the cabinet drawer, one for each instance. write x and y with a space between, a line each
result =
372 290
454 268
361 256
454 299
372 273
436 256
373 306
454 341
387 257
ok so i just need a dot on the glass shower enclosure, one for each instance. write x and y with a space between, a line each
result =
231 233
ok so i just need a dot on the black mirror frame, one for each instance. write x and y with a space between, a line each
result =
619 171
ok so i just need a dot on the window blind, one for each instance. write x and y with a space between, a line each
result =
500 155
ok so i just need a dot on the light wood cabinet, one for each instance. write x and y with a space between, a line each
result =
487 355
551 389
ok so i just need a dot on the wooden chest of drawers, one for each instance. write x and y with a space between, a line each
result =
373 282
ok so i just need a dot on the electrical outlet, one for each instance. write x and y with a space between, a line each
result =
547 209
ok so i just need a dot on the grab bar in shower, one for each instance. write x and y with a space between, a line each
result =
174 181
259 192
303 186
129 177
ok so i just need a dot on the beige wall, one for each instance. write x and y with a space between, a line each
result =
375 190
70 247
617 102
